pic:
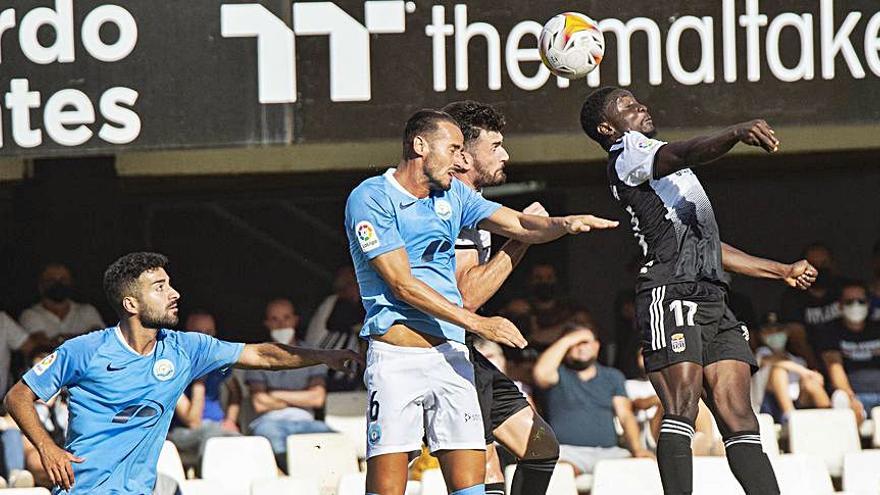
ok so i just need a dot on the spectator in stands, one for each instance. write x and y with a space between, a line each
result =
285 401
336 325
200 413
14 338
874 287
783 381
582 398
55 314
811 309
851 351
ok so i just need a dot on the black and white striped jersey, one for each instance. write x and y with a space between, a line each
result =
671 217
477 239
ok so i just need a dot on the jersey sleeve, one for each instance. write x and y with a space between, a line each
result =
475 208
635 165
57 370
371 221
207 354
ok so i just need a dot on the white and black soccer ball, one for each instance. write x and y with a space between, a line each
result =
571 45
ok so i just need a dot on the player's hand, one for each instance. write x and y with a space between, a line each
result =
800 275
757 133
56 462
500 330
576 224
342 359
536 209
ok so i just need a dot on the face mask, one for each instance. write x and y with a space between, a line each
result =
58 292
578 365
776 341
855 312
282 335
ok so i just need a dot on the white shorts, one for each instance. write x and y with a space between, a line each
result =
421 392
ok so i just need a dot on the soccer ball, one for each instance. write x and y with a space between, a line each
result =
571 45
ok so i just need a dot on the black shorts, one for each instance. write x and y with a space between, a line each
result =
691 322
499 397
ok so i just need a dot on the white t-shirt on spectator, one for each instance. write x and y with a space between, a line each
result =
80 319
13 337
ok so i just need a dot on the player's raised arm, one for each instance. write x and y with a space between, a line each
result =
274 356
394 269
533 229
800 274
704 149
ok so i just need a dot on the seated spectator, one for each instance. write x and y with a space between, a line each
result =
582 398
55 314
336 325
285 401
851 350
874 287
200 414
784 375
14 338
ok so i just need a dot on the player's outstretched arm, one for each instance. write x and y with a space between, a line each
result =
56 461
534 229
800 274
273 356
478 283
675 156
394 269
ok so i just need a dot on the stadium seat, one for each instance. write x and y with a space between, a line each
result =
345 413
802 475
433 483
237 461
861 472
712 476
355 484
205 487
325 457
875 415
826 433
169 463
25 491
629 476
291 485
767 428
561 483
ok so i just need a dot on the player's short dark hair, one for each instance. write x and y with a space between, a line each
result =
473 117
120 278
593 114
424 121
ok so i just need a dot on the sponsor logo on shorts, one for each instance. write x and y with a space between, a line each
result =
43 365
163 370
374 433
745 330
468 417
443 209
678 343
367 236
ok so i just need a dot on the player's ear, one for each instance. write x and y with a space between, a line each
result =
467 160
420 146
605 129
130 304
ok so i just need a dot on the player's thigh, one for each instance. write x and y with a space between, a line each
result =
728 394
484 381
453 420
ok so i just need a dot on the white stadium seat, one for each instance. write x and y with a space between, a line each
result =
292 485
345 412
323 456
861 472
237 461
875 415
802 475
203 487
712 476
629 476
433 483
769 441
355 484
169 463
826 433
561 483
25 491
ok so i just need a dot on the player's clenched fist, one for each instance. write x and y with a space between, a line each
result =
757 133
536 209
501 330
576 224
57 461
801 275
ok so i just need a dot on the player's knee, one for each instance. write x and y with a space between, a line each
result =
685 403
543 444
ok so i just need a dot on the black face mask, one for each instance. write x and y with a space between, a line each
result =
58 292
543 291
578 365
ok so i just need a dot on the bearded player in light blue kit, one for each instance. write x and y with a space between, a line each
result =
124 382
402 228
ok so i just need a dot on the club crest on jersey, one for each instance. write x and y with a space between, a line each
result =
443 209
43 365
374 433
163 370
745 330
678 343
646 144
367 236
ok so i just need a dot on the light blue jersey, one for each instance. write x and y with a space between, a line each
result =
381 216
121 402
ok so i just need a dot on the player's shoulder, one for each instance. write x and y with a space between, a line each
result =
636 140
89 343
372 189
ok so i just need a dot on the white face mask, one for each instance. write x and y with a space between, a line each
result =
776 341
855 312
282 335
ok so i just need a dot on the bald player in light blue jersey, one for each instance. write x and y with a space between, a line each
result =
124 382
402 228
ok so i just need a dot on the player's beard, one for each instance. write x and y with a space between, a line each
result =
158 319
435 178
488 179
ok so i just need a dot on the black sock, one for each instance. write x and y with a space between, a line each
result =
532 477
674 455
495 489
750 464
